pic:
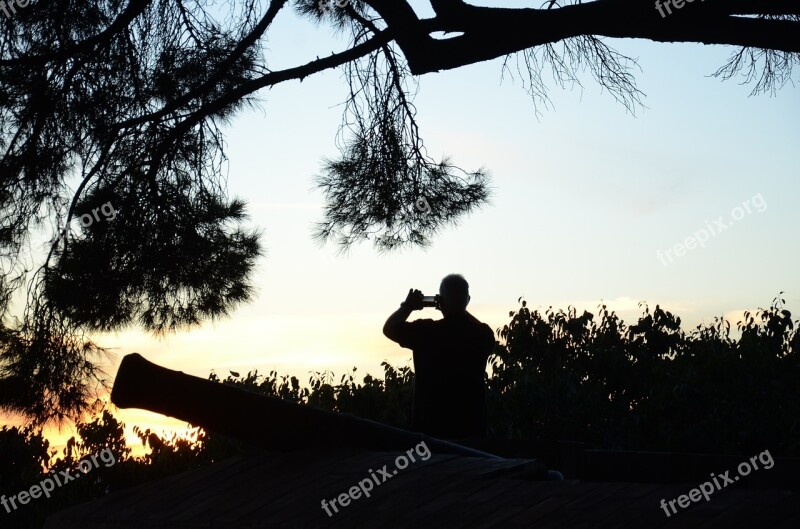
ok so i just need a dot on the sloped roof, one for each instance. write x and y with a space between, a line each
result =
285 490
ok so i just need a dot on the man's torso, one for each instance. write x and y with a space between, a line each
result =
449 364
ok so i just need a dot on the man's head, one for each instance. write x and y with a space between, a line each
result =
453 295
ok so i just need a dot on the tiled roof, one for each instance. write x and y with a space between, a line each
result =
286 489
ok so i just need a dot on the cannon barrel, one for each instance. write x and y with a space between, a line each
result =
267 422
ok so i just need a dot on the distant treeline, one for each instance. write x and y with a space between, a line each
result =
554 375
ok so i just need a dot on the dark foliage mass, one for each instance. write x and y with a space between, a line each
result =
554 375
650 386
94 99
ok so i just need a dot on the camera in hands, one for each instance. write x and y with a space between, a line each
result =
430 301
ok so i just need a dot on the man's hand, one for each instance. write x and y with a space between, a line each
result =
413 300
393 326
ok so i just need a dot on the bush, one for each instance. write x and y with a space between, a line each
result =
649 386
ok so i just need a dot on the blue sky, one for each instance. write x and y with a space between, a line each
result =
583 199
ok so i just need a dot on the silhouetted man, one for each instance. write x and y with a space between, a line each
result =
449 362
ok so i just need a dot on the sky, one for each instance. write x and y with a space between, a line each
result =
588 204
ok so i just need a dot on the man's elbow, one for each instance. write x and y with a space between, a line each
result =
390 332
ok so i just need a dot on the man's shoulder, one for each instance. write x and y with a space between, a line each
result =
482 326
488 333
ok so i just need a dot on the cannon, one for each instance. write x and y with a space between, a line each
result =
266 422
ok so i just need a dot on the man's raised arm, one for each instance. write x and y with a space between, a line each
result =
391 329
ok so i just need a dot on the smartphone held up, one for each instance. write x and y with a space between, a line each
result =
430 301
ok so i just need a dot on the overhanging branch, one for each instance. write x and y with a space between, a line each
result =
489 33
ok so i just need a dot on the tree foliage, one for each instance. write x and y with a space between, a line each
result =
649 385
